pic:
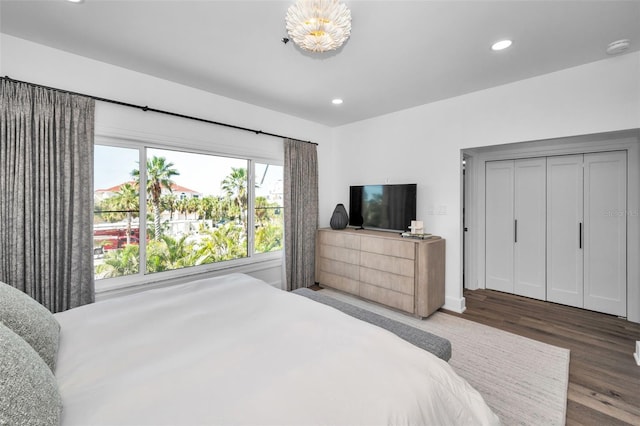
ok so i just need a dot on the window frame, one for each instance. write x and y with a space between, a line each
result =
143 279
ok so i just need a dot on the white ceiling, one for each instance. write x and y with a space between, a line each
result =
401 53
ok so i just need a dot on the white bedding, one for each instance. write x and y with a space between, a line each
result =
236 351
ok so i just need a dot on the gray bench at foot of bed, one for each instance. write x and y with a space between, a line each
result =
430 342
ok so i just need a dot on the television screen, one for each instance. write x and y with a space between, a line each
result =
386 207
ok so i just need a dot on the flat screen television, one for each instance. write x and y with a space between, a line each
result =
384 207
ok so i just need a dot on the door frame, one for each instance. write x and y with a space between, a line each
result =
629 140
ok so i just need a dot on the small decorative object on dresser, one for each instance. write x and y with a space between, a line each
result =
339 218
417 227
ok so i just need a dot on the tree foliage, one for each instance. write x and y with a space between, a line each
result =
219 230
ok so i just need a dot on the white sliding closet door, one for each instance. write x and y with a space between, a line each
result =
515 226
530 211
556 229
564 225
605 243
499 226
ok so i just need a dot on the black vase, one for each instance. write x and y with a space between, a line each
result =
339 218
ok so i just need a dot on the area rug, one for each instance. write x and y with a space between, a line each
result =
524 381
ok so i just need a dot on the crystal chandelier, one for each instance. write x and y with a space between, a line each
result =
318 25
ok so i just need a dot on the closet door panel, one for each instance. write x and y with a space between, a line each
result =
499 225
605 195
530 213
564 219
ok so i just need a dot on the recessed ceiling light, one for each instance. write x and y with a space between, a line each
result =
75 1
336 101
500 45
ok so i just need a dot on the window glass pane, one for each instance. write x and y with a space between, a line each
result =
269 212
116 213
196 209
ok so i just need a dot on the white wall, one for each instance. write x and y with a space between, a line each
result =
423 144
24 60
420 145
35 63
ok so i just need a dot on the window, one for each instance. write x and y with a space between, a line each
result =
116 218
269 212
196 207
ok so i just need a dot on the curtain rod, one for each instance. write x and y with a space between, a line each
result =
159 111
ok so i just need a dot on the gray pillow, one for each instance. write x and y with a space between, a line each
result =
28 390
31 321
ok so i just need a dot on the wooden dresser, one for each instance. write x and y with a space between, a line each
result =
403 273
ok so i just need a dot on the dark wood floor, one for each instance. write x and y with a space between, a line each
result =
604 379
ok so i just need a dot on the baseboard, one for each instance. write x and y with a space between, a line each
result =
453 304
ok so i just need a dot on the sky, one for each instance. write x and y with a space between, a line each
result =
201 173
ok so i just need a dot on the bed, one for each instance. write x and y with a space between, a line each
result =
235 351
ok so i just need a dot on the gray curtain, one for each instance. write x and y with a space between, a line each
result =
46 194
300 212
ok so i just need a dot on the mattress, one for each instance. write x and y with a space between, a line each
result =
437 345
235 351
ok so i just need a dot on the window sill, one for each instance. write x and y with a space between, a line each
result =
107 289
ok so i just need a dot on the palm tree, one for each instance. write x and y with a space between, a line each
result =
128 199
182 207
118 263
169 202
262 208
159 174
205 209
223 243
235 185
268 238
172 253
192 205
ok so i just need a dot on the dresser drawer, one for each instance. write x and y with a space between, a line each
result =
347 270
339 239
394 265
338 282
388 280
387 297
340 254
389 247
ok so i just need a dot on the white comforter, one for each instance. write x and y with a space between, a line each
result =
236 351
